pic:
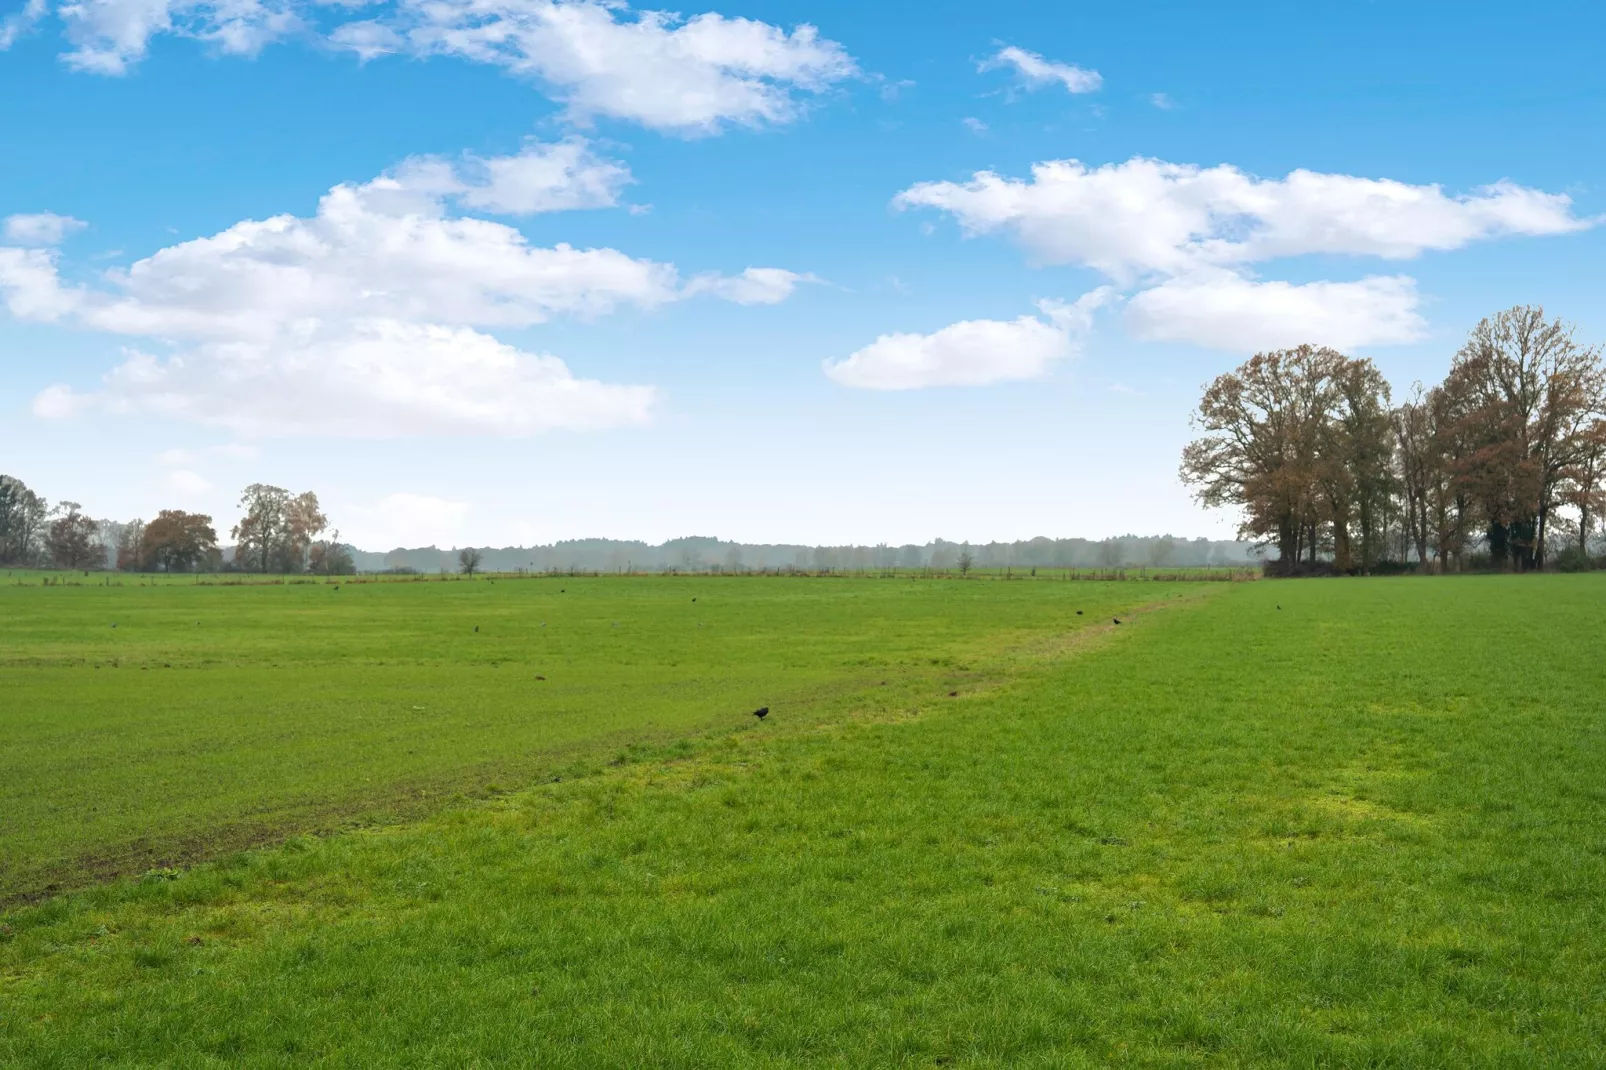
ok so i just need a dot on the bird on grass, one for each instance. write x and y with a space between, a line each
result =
476 627
1116 619
1079 613
1279 606
694 599
762 712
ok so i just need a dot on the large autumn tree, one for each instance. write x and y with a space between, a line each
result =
277 530
1298 439
177 541
1524 398
73 539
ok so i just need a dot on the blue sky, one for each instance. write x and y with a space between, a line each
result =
593 271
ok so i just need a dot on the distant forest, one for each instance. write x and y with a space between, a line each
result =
702 554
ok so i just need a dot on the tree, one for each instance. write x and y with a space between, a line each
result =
73 540
261 532
1264 424
22 517
1412 424
468 560
304 521
177 541
1585 486
1353 463
331 557
1528 395
277 531
965 561
131 546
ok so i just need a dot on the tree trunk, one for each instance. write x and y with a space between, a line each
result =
1539 538
1287 544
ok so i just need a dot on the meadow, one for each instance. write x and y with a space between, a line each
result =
1310 823
151 721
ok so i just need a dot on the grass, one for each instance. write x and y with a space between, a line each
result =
1365 828
149 725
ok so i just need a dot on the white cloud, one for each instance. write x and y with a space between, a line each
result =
1185 235
18 23
406 519
1036 71
691 75
1224 310
542 177
1162 101
1148 216
374 379
57 403
108 36
30 286
366 319
755 286
184 481
972 352
372 251
974 125
41 228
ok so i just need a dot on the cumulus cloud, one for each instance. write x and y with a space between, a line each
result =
1185 236
30 286
1147 216
184 481
1224 310
18 23
1036 72
369 318
406 519
691 75
542 177
755 286
40 228
109 36
972 352
371 251
378 378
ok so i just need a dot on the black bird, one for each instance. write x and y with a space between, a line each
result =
694 599
1117 620
1279 607
476 627
1079 613
762 712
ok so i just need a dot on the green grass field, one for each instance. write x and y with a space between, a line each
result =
1366 828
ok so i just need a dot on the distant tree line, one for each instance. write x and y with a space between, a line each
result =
277 533
1499 466
706 554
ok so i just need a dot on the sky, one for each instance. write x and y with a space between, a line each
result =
511 271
